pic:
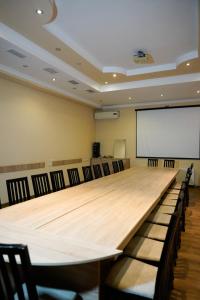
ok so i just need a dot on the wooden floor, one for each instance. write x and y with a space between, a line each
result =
187 271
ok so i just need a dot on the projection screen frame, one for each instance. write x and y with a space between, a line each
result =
164 108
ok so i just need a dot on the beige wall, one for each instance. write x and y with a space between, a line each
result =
36 126
125 128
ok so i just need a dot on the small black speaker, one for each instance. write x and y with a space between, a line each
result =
95 150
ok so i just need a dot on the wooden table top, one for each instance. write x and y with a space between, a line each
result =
85 223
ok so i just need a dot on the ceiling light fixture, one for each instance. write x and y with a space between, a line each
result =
39 11
53 79
161 95
106 82
187 64
129 98
198 92
114 75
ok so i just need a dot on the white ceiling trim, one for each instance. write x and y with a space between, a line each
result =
150 69
152 103
68 41
20 41
152 82
42 84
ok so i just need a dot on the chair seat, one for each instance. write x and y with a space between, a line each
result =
133 277
144 249
159 218
171 196
164 209
176 186
173 191
46 293
153 231
169 202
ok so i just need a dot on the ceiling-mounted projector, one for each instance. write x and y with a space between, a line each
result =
142 57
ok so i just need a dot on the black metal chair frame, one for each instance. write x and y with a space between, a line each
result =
169 163
115 166
97 171
106 169
41 185
73 175
152 162
57 180
87 173
18 190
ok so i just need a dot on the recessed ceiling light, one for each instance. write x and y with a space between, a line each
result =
39 11
198 92
161 95
53 79
114 75
129 98
106 82
187 64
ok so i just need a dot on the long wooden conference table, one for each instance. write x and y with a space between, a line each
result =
86 224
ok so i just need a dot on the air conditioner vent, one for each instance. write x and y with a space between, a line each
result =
16 53
50 70
73 82
103 115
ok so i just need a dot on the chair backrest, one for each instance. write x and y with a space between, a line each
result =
121 165
57 180
97 171
87 173
13 275
115 166
73 175
41 184
18 190
152 162
106 169
169 163
165 270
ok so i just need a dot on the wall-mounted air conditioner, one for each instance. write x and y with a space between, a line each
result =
102 115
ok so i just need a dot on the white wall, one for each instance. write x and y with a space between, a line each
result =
36 126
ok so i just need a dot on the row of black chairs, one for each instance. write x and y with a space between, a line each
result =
146 270
168 163
18 188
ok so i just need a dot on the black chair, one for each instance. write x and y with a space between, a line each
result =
115 166
18 190
121 165
97 171
106 169
57 180
152 162
73 175
87 173
41 185
169 163
16 280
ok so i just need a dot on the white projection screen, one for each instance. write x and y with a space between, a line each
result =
168 133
